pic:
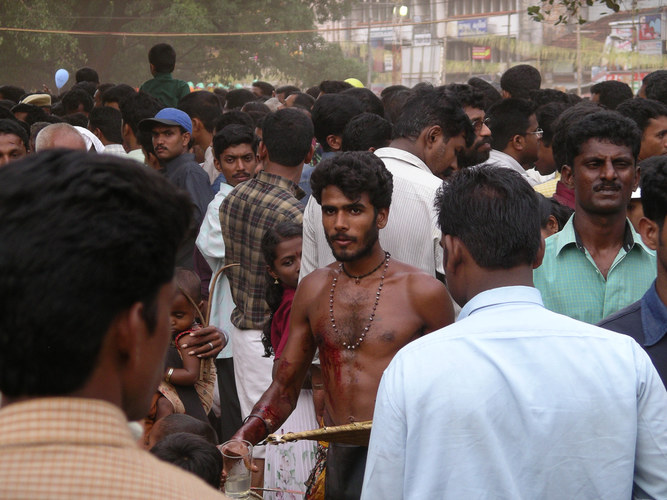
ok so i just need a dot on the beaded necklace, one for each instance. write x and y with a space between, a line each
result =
375 305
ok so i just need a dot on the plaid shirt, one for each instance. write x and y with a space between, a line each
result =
245 215
571 283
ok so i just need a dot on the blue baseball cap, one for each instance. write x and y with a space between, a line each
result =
170 117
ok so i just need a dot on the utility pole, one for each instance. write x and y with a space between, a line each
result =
369 75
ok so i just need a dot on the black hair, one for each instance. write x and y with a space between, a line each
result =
73 98
549 207
433 107
88 87
255 106
34 113
202 105
163 58
333 86
109 121
642 110
608 126
103 87
354 173
612 93
12 93
369 101
467 95
79 232
655 86
86 75
137 107
330 114
287 90
117 93
491 94
545 96
235 117
494 212
76 120
188 283
391 89
547 115
266 88
313 91
193 454
563 123
508 118
520 80
394 102
181 422
303 101
273 236
233 135
236 98
366 131
654 188
8 126
287 135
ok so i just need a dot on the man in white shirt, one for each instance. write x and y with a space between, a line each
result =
430 132
513 400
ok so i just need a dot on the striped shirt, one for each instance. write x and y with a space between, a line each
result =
67 448
246 214
572 284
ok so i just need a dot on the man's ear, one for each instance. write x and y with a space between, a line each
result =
97 133
310 154
216 164
635 185
453 253
382 217
262 152
186 138
567 176
518 142
552 225
334 142
129 329
197 125
650 232
505 94
432 134
126 130
540 254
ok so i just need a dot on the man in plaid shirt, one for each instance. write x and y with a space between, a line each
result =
246 213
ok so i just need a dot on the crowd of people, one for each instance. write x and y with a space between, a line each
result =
480 272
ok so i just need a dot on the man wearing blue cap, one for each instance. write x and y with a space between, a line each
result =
171 130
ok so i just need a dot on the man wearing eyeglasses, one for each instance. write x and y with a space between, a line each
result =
515 137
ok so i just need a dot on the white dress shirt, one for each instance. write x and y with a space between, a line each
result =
411 234
514 401
500 159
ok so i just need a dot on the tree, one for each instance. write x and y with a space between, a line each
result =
225 39
567 10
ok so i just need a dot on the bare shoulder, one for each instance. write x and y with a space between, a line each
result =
318 278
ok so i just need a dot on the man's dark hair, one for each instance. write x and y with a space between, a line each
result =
391 89
547 115
612 93
163 58
333 86
102 88
12 93
233 135
79 232
494 212
193 454
109 121
202 105
545 96
654 188
117 93
642 110
467 95
137 107
256 107
520 80
563 123
180 422
235 117
34 113
236 98
369 101
86 75
89 87
365 131
266 88
508 118
287 135
433 107
313 91
73 98
549 207
394 102
491 94
8 126
354 173
287 90
76 120
655 85
303 101
331 113
606 126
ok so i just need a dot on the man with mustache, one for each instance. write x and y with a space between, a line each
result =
597 264
358 311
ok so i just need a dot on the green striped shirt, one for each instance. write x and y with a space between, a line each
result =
571 283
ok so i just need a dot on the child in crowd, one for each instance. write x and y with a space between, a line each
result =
192 453
180 422
287 466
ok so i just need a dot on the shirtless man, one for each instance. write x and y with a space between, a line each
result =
358 311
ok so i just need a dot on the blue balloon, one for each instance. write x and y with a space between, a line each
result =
61 78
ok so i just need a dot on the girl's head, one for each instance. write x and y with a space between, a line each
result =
186 295
281 247
553 216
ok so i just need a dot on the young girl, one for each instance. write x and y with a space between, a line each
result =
287 466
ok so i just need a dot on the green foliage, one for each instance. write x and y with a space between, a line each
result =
243 43
566 10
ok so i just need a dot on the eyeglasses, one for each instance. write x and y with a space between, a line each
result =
538 133
479 123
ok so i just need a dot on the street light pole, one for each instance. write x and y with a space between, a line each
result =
369 75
